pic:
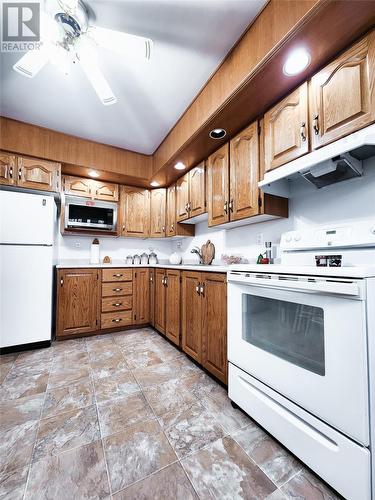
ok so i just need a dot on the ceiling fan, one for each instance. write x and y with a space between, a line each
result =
67 36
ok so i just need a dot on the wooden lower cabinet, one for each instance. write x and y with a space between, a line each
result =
173 305
159 287
78 301
141 293
204 325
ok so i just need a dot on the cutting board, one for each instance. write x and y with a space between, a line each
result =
208 252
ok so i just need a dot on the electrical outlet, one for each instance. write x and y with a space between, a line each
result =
259 238
77 244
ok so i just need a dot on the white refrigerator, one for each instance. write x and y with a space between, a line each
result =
27 228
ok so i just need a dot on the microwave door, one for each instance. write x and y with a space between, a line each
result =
88 214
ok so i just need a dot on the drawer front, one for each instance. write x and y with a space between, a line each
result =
112 275
117 303
116 319
117 289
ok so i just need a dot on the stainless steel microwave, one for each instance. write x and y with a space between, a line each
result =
84 213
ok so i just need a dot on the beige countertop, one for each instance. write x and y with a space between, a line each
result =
82 263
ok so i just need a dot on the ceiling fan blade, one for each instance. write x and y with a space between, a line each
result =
93 73
32 62
122 43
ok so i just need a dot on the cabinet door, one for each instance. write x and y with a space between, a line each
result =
342 95
173 306
218 186
135 212
7 169
78 301
158 212
214 327
182 198
104 191
152 297
286 129
192 314
160 300
77 186
39 174
171 210
244 173
141 296
197 190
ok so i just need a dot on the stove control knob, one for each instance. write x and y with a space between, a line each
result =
297 237
288 238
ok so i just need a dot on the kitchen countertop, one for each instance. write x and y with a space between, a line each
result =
78 263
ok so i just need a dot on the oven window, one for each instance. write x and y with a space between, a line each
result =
291 331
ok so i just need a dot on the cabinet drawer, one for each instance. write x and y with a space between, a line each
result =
117 303
115 289
115 319
117 275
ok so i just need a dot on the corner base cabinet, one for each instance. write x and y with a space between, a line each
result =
204 320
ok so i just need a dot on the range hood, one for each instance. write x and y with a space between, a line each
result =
336 162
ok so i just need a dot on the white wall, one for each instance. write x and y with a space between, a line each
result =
346 202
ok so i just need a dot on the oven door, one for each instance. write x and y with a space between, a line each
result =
309 345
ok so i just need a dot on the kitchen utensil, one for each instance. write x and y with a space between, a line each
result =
208 253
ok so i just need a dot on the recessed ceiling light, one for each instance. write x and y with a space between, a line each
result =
154 184
180 166
217 133
297 61
94 173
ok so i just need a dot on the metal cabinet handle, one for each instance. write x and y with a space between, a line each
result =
117 320
118 275
231 205
172 227
62 281
118 304
165 281
11 171
226 207
189 206
303 131
123 228
163 229
116 289
202 290
20 173
316 124
198 288
151 279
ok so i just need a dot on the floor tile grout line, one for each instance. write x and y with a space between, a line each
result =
36 435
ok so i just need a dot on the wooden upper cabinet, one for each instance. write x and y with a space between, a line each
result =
159 300
342 95
78 301
197 190
38 174
77 186
244 174
173 306
90 188
171 210
182 198
7 168
104 191
192 315
286 126
158 212
214 326
135 212
218 186
141 296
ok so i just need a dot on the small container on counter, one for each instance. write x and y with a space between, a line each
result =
129 259
94 253
136 260
152 258
144 259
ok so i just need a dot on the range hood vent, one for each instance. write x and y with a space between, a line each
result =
336 162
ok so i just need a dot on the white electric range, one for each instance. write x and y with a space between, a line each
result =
301 350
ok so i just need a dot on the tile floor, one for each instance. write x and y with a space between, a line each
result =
128 416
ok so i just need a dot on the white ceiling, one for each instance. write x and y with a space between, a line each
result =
191 38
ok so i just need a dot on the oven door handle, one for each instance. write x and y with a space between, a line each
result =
334 287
